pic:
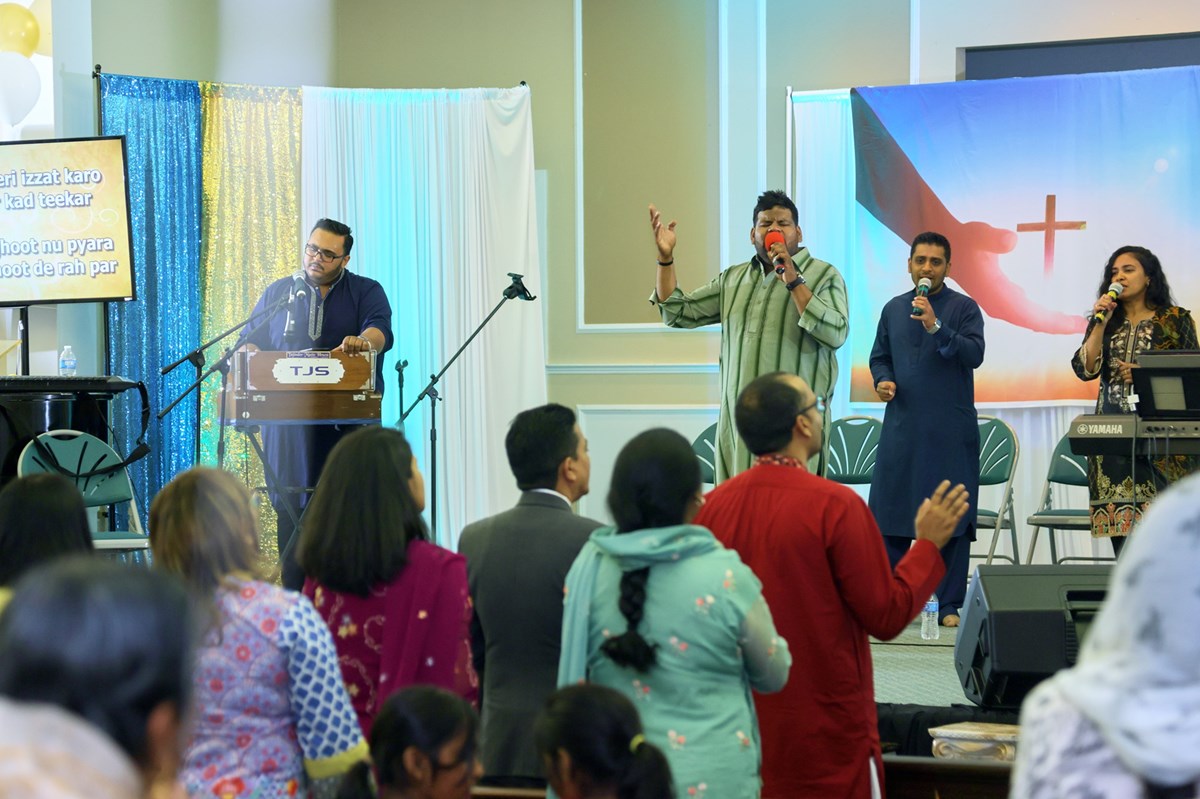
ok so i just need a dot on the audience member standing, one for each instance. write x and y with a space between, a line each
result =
41 517
396 603
517 563
96 680
423 746
825 574
591 741
657 609
273 718
1123 723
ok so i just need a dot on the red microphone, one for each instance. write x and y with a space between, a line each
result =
775 237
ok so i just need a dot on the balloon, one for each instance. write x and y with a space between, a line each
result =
41 12
18 29
19 87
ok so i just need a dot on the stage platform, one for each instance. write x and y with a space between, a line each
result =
916 687
909 670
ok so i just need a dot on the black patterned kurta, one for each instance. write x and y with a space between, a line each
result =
1115 480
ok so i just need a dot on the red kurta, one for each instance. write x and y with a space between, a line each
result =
825 576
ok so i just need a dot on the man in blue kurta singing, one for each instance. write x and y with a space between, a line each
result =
333 309
927 348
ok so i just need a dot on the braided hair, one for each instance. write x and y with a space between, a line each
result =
654 478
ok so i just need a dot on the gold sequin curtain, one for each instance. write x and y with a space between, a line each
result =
250 231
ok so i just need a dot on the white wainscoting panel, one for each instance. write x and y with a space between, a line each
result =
609 427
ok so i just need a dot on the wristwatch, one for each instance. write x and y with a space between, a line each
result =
799 281
937 325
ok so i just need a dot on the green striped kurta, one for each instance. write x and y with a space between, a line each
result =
761 332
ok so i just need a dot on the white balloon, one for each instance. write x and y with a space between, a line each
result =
19 87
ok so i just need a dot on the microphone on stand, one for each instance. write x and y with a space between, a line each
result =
297 290
923 286
775 237
1114 291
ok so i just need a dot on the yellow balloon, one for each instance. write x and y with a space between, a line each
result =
18 29
41 12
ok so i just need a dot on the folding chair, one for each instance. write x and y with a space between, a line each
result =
1066 469
851 444
705 447
999 452
96 470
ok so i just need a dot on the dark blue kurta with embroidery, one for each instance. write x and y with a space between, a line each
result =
353 304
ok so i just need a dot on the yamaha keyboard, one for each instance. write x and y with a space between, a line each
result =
1116 433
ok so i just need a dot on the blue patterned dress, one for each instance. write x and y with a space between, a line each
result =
272 713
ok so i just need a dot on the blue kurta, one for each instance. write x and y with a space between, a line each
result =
353 304
930 428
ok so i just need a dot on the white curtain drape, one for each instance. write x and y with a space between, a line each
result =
438 187
823 187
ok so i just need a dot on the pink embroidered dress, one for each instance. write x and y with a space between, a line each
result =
414 630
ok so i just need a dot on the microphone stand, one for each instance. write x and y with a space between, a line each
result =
516 290
196 356
401 364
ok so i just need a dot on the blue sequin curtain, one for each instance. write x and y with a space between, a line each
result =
161 122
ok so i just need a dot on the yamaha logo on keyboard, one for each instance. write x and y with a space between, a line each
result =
1090 429
308 371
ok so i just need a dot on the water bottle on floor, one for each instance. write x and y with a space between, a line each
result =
929 619
67 362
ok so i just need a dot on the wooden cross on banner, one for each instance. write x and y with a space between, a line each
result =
1049 225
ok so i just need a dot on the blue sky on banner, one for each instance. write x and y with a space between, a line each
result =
1106 159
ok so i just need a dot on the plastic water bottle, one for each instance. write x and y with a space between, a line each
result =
67 363
929 619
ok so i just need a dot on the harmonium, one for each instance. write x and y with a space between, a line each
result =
309 387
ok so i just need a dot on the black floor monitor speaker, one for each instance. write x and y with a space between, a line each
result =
1021 624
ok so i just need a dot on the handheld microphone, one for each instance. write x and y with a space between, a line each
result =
923 286
775 237
1114 291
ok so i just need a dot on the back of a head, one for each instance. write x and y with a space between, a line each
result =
599 729
423 717
107 642
203 528
654 478
42 516
766 412
538 440
363 515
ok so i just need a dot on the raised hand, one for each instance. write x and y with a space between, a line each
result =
939 515
664 235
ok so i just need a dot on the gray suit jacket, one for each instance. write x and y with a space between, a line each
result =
517 563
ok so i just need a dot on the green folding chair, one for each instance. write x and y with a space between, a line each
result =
1066 469
851 444
999 452
98 472
705 447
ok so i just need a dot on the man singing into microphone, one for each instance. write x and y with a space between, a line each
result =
927 348
782 310
330 308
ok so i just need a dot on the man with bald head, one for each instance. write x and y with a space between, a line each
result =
826 577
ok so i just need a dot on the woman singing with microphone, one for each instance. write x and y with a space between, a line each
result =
1142 317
